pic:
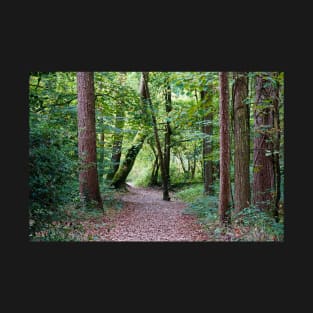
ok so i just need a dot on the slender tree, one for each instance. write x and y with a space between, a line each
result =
207 129
263 178
145 77
88 176
101 156
181 159
241 116
119 179
276 152
118 135
155 168
224 195
167 139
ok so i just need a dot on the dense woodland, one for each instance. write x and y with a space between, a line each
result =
103 144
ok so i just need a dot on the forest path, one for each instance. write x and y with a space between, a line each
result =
146 217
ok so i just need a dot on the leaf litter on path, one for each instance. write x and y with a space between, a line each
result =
146 217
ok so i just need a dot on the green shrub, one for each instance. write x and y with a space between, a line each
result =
258 225
204 207
52 172
250 224
66 231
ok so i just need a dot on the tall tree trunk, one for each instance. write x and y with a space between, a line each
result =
241 142
167 139
88 176
145 77
263 178
119 179
207 129
276 152
224 195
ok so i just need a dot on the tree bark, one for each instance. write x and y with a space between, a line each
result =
167 140
263 178
224 195
207 129
181 159
119 179
145 77
241 142
276 152
155 168
88 176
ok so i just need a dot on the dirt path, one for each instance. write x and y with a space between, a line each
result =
146 217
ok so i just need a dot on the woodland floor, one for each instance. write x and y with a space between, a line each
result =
146 217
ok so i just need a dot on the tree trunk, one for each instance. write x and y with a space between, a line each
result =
181 159
155 168
193 166
119 179
276 151
118 135
167 141
155 172
117 141
224 195
88 176
207 129
145 77
263 179
241 142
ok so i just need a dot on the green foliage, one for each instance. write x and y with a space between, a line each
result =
141 173
142 180
190 193
71 226
109 197
250 224
258 225
205 207
53 168
56 232
51 174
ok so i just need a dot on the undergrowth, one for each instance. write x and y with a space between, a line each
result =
250 224
71 221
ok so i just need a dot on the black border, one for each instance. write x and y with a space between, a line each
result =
173 49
